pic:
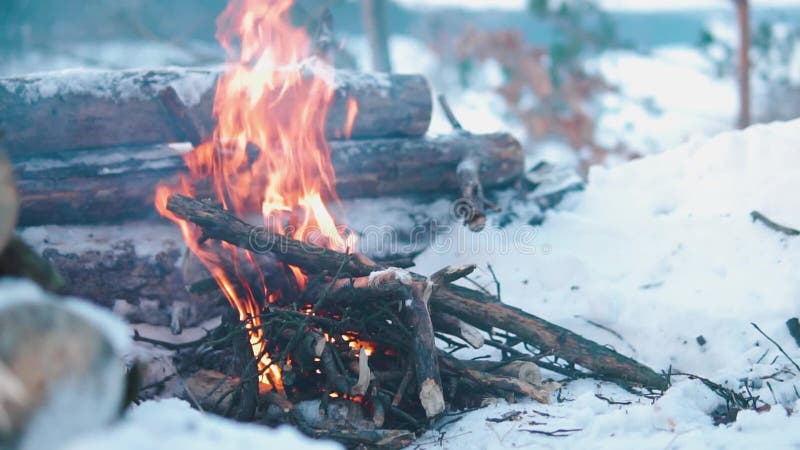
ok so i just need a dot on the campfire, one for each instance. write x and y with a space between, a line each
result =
316 334
323 323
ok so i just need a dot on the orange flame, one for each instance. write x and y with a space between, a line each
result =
268 153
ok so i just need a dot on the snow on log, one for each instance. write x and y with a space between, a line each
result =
76 109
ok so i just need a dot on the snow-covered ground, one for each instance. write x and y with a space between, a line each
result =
659 251
652 255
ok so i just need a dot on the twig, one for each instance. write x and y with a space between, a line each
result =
449 113
506 417
561 432
610 401
496 282
169 345
758 217
776 345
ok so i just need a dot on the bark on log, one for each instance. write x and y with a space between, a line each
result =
471 306
85 109
112 185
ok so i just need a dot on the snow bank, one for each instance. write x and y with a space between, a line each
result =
654 254
172 424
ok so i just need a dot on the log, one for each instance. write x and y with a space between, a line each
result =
604 363
445 323
426 365
113 185
471 306
78 109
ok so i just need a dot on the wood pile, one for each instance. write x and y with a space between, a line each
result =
359 344
102 150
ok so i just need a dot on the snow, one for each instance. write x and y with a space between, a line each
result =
660 250
150 239
172 424
189 84
678 82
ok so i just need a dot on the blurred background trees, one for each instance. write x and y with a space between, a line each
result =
542 70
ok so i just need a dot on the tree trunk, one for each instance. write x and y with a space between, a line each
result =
743 20
374 20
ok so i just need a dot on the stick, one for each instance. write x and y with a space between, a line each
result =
777 345
426 364
454 326
181 116
477 309
758 217
472 204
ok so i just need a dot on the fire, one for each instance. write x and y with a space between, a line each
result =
268 154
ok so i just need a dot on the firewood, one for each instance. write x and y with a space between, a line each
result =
471 306
523 370
445 323
497 382
90 109
426 364
211 389
414 292
90 187
355 438
478 309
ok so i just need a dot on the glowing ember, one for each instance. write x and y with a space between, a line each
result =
268 153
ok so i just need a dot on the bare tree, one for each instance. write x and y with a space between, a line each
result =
743 21
374 20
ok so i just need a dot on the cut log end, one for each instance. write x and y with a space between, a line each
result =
431 397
